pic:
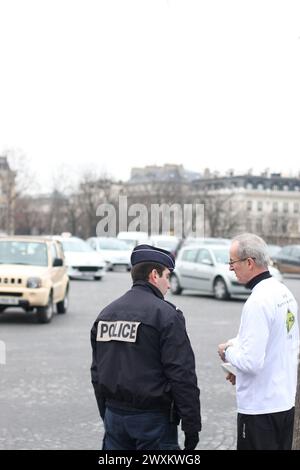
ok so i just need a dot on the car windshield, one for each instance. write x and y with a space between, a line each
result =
111 244
23 252
130 243
221 255
76 245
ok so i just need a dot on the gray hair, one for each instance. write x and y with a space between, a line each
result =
252 246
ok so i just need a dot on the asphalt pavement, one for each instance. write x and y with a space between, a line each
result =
46 398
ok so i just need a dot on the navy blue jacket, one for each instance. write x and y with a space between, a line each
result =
143 358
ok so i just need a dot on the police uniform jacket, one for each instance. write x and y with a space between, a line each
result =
142 357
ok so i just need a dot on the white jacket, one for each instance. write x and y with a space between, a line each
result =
265 352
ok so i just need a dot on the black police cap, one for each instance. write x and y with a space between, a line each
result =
152 254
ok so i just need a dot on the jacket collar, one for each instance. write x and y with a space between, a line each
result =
149 287
255 280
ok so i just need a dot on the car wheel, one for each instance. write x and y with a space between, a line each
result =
97 278
62 307
2 309
45 313
220 289
175 286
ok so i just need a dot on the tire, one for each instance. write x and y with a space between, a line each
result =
220 289
45 313
62 306
97 278
175 286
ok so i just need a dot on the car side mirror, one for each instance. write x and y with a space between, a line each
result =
57 262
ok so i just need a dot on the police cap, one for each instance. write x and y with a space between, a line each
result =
152 254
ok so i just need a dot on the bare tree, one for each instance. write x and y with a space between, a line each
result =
223 215
93 190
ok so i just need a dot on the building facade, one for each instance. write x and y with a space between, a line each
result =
266 205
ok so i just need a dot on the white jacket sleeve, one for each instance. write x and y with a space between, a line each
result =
248 351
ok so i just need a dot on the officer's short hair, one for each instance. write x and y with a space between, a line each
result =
141 271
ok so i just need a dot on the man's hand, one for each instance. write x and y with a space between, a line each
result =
191 440
231 378
221 350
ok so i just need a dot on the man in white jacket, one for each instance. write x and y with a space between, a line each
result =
264 353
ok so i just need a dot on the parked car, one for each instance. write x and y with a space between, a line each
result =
116 253
133 238
33 276
205 268
273 250
206 241
287 260
166 242
82 261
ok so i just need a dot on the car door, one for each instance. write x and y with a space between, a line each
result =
57 273
186 268
204 270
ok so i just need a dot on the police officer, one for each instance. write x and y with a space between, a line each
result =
143 369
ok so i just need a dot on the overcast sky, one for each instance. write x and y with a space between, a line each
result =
111 84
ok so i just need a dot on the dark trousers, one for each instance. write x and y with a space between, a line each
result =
271 431
128 430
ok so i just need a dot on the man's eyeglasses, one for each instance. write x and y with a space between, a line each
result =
231 263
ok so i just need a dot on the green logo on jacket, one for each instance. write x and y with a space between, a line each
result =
290 320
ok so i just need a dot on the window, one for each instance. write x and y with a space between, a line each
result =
249 205
23 252
286 250
275 206
204 257
189 255
296 207
259 206
296 251
285 207
259 226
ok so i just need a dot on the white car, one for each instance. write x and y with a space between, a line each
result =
82 261
205 268
134 238
206 241
116 253
166 242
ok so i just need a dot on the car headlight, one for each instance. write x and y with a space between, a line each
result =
34 282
